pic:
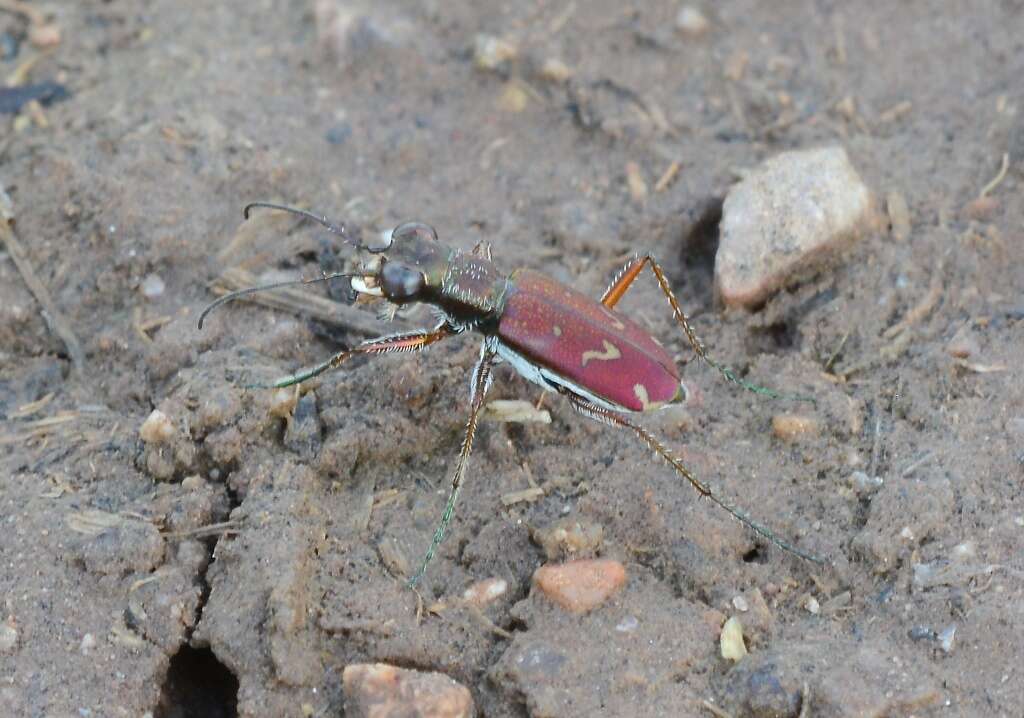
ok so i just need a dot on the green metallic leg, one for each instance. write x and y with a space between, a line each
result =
613 418
480 383
406 342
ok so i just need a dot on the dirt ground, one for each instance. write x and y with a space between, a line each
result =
238 564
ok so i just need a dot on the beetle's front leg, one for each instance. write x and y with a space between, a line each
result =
625 279
479 385
405 342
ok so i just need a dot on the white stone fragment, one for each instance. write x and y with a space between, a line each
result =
787 217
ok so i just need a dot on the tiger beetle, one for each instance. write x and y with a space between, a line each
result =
602 362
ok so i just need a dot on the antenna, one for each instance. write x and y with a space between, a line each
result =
252 290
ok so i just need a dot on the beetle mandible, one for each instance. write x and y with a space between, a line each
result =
603 363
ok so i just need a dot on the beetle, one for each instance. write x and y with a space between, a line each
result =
606 365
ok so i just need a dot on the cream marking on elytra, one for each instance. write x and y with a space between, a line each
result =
640 391
557 330
610 353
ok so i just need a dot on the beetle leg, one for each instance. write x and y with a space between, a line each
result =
479 385
406 342
625 279
612 418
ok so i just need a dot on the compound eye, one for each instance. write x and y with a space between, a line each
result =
413 231
399 283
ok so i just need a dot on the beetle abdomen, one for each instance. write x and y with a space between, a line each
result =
576 337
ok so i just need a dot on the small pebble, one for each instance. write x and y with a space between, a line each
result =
157 428
490 52
88 643
946 637
580 586
282 402
864 485
981 209
152 286
514 411
731 640
812 605
554 70
569 536
740 604
44 36
379 689
513 98
484 592
627 624
792 214
8 638
691 21
793 427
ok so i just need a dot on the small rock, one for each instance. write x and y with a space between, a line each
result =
8 637
44 36
864 485
484 592
628 624
899 215
157 428
731 640
514 411
379 689
691 21
490 52
964 343
812 605
152 286
981 209
282 403
513 97
88 643
740 604
554 70
569 536
793 427
787 217
579 586
946 637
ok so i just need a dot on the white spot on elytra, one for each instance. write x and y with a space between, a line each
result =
610 353
557 330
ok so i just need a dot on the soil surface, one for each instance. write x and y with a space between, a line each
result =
237 561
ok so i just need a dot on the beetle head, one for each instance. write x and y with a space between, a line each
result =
409 264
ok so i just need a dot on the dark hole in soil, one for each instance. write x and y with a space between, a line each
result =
774 338
198 686
755 555
697 252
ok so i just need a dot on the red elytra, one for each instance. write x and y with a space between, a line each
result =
594 348
603 363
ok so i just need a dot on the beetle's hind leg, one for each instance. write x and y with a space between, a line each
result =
613 418
479 385
388 344
625 279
